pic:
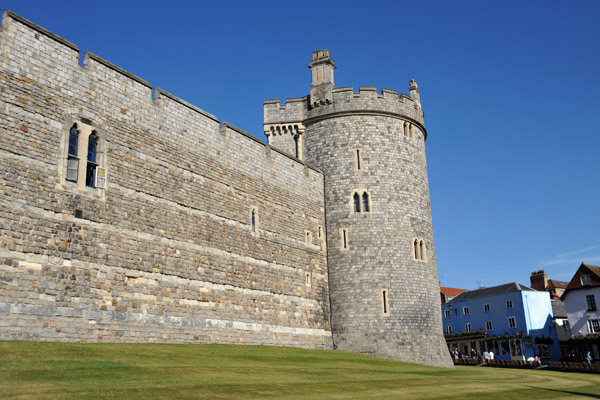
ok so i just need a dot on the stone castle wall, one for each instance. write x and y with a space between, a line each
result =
166 252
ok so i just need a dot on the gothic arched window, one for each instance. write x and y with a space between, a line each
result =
365 199
91 159
72 159
356 202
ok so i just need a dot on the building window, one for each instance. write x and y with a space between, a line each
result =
465 310
488 325
419 249
509 304
72 159
585 280
594 325
516 347
591 302
308 279
357 159
81 138
567 328
448 329
361 201
344 238
254 222
319 232
447 313
511 322
486 307
384 302
468 327
408 130
365 199
308 238
544 351
91 160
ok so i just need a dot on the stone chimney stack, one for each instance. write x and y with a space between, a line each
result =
539 280
321 68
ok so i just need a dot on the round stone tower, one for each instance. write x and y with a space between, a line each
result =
383 278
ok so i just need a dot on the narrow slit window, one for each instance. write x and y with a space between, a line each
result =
358 161
384 301
297 145
356 202
416 249
365 199
422 249
344 239
253 222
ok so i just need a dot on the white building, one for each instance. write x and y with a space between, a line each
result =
581 299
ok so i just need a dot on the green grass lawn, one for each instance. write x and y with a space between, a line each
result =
42 370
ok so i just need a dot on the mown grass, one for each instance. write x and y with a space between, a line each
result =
43 370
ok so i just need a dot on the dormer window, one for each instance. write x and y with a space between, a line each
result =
585 280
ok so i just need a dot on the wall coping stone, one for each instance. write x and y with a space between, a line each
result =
16 17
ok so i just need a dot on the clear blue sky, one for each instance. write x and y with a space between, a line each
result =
510 90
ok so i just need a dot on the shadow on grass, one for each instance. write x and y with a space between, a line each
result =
588 395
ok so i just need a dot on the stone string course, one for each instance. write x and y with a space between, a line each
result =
166 253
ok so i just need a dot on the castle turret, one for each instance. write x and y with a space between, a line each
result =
321 69
381 258
414 92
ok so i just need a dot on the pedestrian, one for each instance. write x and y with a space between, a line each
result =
588 357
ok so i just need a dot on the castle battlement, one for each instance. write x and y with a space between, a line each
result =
105 77
367 100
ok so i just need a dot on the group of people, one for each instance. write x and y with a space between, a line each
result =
489 355
474 355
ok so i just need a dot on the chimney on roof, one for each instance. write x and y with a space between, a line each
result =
539 280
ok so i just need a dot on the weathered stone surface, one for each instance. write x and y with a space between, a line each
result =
166 252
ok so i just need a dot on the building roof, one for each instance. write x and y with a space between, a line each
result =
452 292
554 284
492 291
558 309
592 268
584 269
